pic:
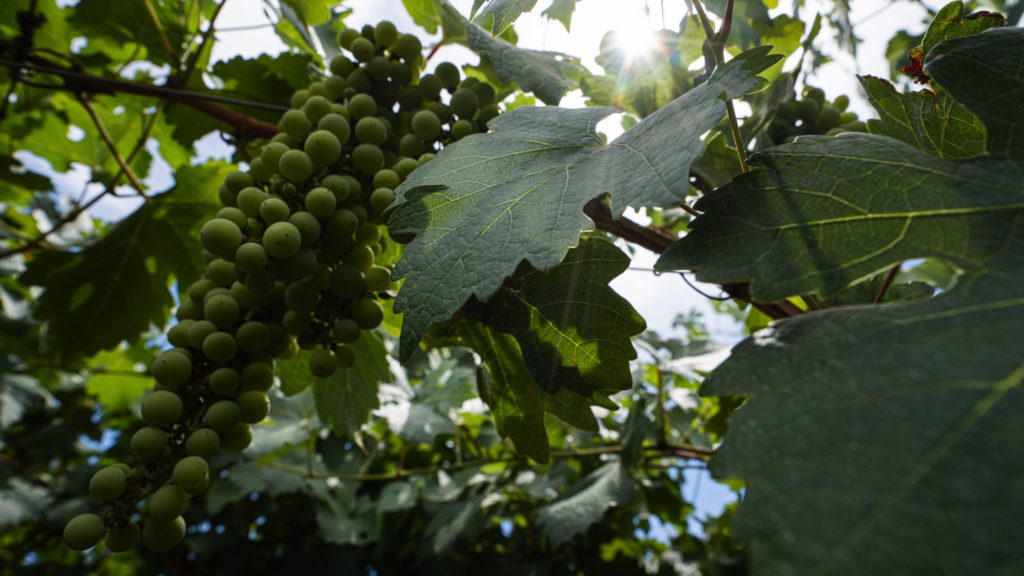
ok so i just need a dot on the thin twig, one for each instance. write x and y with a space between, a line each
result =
887 282
160 29
193 60
125 169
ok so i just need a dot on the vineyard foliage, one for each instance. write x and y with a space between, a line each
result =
495 405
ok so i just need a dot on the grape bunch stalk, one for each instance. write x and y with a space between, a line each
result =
290 265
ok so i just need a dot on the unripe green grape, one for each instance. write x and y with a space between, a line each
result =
296 165
302 296
347 36
221 237
355 188
237 438
282 137
385 34
381 199
108 483
261 172
462 128
84 531
307 225
296 124
123 538
171 370
162 536
484 92
361 257
426 125
316 108
449 75
486 114
430 85
847 117
362 49
306 341
222 310
257 375
379 68
271 154
226 196
404 167
816 94
220 347
367 158
808 109
282 240
368 234
402 74
223 381
442 111
250 257
829 117
361 106
320 202
359 81
148 443
289 351
296 322
347 281
342 223
233 214
465 102
341 65
407 47
238 180
299 98
841 102
345 330
371 130
249 200
410 145
252 337
215 291
323 148
378 279
337 125
386 178
169 501
317 89
198 332
222 415
161 408
335 86
221 272
245 297
322 363
254 406
274 210
345 355
177 335
367 313
410 98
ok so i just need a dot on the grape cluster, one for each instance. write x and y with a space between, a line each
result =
812 114
290 265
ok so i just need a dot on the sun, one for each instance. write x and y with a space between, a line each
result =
635 37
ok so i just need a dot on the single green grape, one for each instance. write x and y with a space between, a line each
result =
220 347
108 483
367 313
171 370
274 210
221 237
257 376
320 202
123 538
296 124
222 310
449 75
237 438
162 536
426 125
148 443
254 406
168 502
203 442
323 148
161 408
222 415
84 531
322 363
282 240
367 158
296 165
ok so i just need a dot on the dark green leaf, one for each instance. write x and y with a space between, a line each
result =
875 439
21 501
397 496
585 503
490 201
454 520
126 275
951 22
344 400
423 13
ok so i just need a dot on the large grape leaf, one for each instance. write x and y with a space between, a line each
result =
585 503
573 329
490 201
344 401
883 440
114 289
824 212
504 13
561 10
517 404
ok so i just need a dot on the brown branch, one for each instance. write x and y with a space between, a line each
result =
160 29
886 283
125 169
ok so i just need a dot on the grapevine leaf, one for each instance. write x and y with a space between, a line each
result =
128 22
504 13
453 521
424 424
345 522
126 274
516 401
294 373
423 13
585 503
561 10
951 22
824 212
490 201
344 401
917 118
21 501
910 408
573 329
18 392
398 496
546 74
112 381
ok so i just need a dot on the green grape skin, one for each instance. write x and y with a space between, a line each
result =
271 154
282 240
316 89
237 438
123 538
274 210
355 188
381 199
336 86
808 109
296 124
362 49
199 331
426 125
299 98
361 257
484 92
345 331
226 197
290 351
215 291
257 376
162 536
410 98
254 406
347 36
220 347
296 323
404 167
346 355
261 172
222 415
199 288
485 115
296 165
442 111
407 47
302 296
386 178
342 223
367 158
359 82
371 130
308 226
148 443
177 335
378 279
252 337
221 237
367 313
323 148
337 125
83 531
385 33
379 68
161 408
368 234
250 257
340 65
222 310
361 106
430 86
449 75
245 297
320 202
168 503
847 118
171 370
233 214
322 363
347 281
221 272
250 199
816 94
338 186
465 103
108 483
462 128
424 158
401 74
223 381
829 117
316 108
